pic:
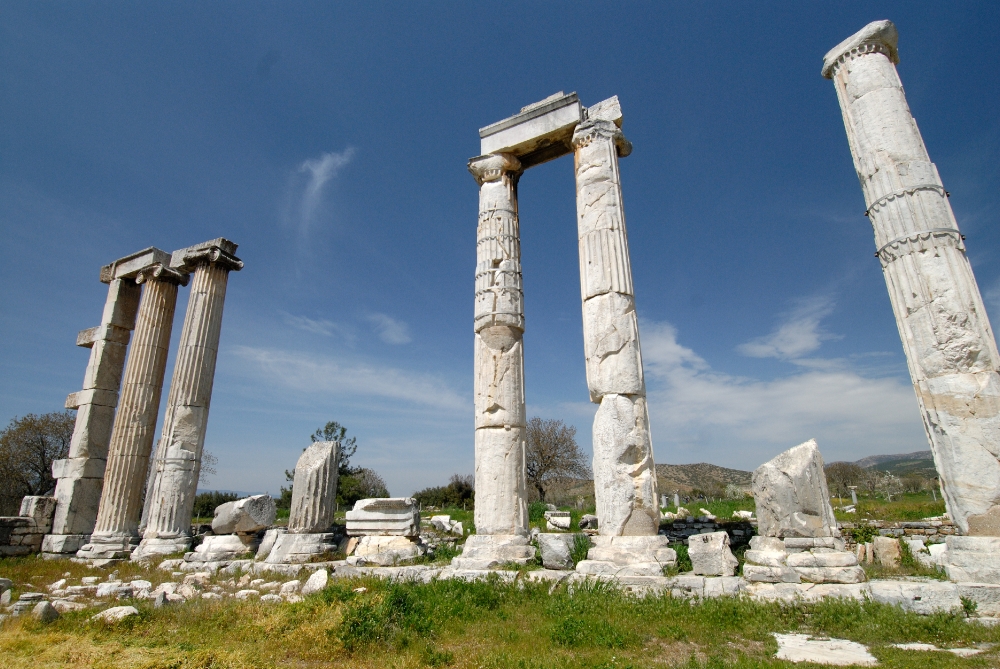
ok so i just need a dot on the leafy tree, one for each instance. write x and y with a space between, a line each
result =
353 483
205 502
28 447
553 454
334 431
460 492
361 483
840 476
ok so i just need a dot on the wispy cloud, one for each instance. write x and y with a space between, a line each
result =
389 329
318 173
700 414
800 332
320 326
311 373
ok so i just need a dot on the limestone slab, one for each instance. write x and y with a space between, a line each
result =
835 652
973 559
710 554
923 597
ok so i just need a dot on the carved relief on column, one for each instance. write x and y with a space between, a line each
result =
174 480
949 344
135 423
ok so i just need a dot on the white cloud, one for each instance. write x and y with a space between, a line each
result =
320 326
319 171
389 329
309 373
799 334
701 415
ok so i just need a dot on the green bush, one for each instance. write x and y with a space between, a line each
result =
205 502
581 546
683 561
863 533
536 511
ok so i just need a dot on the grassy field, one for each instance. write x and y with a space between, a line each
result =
910 506
374 623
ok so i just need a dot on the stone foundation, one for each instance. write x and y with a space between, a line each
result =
628 556
23 534
487 551
301 548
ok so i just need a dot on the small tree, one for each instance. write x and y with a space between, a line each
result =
840 476
552 454
459 492
28 447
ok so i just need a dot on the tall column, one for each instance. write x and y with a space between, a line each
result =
79 477
174 480
116 531
949 345
499 352
624 476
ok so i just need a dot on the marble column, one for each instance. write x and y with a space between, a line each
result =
116 531
624 476
79 477
174 479
949 345
501 514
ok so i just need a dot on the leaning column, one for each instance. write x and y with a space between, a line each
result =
501 514
949 345
116 531
624 476
174 480
79 477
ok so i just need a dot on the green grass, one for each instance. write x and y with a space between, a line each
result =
909 506
481 624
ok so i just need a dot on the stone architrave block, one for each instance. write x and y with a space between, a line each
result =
314 490
791 495
244 516
386 516
541 129
611 346
625 480
558 520
710 554
887 552
556 550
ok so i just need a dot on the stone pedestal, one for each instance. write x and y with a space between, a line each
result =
174 480
801 560
624 475
116 531
949 344
80 477
489 551
628 556
302 548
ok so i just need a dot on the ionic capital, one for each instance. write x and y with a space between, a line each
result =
876 37
216 251
493 166
161 272
588 131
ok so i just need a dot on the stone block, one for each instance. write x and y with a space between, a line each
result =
556 549
832 559
223 547
79 468
985 595
77 502
488 551
40 510
710 554
923 597
385 550
760 574
247 515
267 542
887 552
853 574
115 614
316 582
389 516
92 432
303 548
973 559
791 495
723 586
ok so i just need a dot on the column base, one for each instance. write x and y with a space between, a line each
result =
973 559
108 547
801 560
303 548
489 551
628 556
151 548
56 546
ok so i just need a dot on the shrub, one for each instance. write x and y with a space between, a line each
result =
683 561
205 502
459 493
581 546
536 511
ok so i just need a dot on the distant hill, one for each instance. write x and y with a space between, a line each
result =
901 464
703 476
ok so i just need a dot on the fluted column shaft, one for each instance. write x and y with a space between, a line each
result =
501 506
138 408
79 477
950 349
178 460
624 476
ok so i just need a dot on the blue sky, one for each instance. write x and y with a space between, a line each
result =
330 143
